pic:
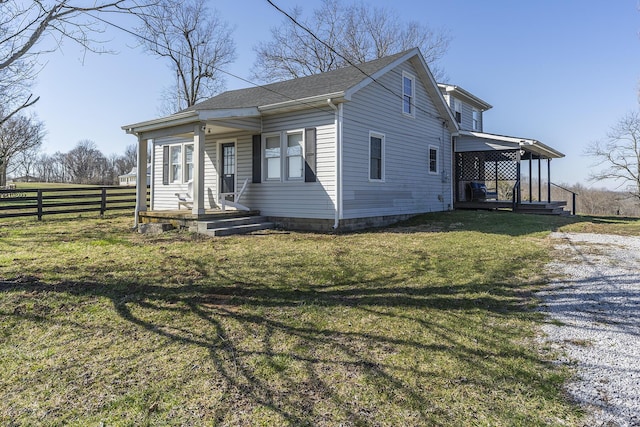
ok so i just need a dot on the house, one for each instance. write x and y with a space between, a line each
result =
130 179
361 146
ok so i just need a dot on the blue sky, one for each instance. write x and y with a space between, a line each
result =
560 71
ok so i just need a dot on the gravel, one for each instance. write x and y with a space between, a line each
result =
594 308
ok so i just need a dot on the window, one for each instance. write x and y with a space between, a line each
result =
175 163
272 157
408 94
433 159
295 163
477 121
376 156
188 162
457 109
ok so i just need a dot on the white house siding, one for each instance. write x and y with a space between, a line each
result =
298 199
408 187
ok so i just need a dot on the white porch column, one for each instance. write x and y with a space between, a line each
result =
141 177
198 169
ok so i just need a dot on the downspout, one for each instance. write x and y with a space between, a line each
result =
338 125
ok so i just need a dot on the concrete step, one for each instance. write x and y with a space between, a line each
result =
230 226
229 222
239 229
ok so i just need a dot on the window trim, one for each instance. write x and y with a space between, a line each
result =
382 137
185 163
412 96
172 175
457 109
476 124
265 164
285 143
437 150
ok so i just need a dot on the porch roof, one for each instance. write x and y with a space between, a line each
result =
513 142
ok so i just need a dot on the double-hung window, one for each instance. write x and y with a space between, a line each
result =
272 157
457 109
376 156
408 94
477 121
175 156
295 161
188 162
433 159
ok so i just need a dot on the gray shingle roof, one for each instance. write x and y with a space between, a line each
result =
304 87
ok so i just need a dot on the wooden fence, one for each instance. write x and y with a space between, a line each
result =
65 200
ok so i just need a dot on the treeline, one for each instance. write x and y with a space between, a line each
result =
589 201
600 201
84 164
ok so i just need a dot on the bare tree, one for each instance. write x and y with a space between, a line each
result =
23 24
85 164
619 155
197 43
25 163
18 134
344 34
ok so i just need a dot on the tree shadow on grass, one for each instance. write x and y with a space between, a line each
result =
303 354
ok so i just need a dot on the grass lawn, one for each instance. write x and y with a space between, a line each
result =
427 323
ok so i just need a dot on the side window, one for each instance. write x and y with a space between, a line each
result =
477 120
457 109
295 161
376 156
175 155
433 159
188 162
408 94
272 151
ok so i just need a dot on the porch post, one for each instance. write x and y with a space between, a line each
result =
539 178
141 178
198 169
530 178
549 180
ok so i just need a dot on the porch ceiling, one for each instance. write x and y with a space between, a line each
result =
469 142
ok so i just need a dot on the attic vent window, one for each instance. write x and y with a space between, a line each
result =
408 94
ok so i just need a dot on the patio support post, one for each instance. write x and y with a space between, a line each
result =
198 169
549 180
530 178
539 178
141 178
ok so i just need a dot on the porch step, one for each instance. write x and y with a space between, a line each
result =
543 208
231 226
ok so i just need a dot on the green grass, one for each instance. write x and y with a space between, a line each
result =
425 323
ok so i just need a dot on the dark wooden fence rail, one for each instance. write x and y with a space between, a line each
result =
65 200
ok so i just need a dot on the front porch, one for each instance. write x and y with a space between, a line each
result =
489 174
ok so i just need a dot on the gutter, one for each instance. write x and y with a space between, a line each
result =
338 124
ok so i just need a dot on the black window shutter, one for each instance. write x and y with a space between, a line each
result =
165 165
257 159
310 155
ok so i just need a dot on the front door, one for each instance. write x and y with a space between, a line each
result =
228 176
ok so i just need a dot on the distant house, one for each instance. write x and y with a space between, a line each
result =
27 178
129 179
351 148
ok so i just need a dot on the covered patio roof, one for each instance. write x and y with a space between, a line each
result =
480 141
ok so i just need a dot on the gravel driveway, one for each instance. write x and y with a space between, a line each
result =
594 300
